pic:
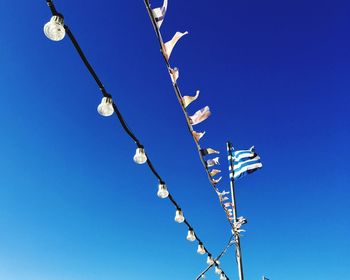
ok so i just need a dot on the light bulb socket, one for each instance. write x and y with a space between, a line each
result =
57 18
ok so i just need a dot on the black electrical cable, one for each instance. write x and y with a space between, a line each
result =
119 115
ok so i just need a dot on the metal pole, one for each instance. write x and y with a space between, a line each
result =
238 241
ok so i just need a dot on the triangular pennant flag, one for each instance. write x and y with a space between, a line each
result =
159 13
214 172
187 100
198 135
200 115
209 151
216 181
222 193
169 46
174 74
212 162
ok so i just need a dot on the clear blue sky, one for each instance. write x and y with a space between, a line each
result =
74 206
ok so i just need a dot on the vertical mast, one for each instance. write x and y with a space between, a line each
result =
236 233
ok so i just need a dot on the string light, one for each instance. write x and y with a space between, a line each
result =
105 108
210 260
140 156
191 236
201 250
54 29
203 276
162 191
179 217
218 270
222 276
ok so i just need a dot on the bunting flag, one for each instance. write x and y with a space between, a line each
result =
208 151
169 46
187 100
198 135
200 116
212 162
216 181
159 13
228 204
214 172
244 162
174 74
222 193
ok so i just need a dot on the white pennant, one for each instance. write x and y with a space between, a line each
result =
187 100
228 204
210 151
159 13
216 181
198 135
200 115
174 74
169 46
214 172
212 162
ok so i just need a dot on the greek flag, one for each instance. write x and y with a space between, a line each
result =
244 162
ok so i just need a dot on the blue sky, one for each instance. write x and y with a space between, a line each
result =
73 205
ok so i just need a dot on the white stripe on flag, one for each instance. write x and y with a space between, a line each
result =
247 168
238 166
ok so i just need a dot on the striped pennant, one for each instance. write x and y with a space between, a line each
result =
244 162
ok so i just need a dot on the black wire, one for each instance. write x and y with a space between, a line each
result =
116 109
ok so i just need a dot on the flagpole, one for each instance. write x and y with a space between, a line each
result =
236 233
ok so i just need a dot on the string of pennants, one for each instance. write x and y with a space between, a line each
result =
58 31
157 16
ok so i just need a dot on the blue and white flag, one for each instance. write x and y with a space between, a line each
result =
244 162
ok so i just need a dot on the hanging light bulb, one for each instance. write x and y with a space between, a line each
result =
162 191
106 107
179 216
222 277
54 29
140 156
201 249
217 270
210 260
191 236
203 276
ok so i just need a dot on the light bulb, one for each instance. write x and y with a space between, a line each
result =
54 29
179 217
201 249
190 236
217 270
106 107
162 191
140 156
210 260
222 276
203 276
